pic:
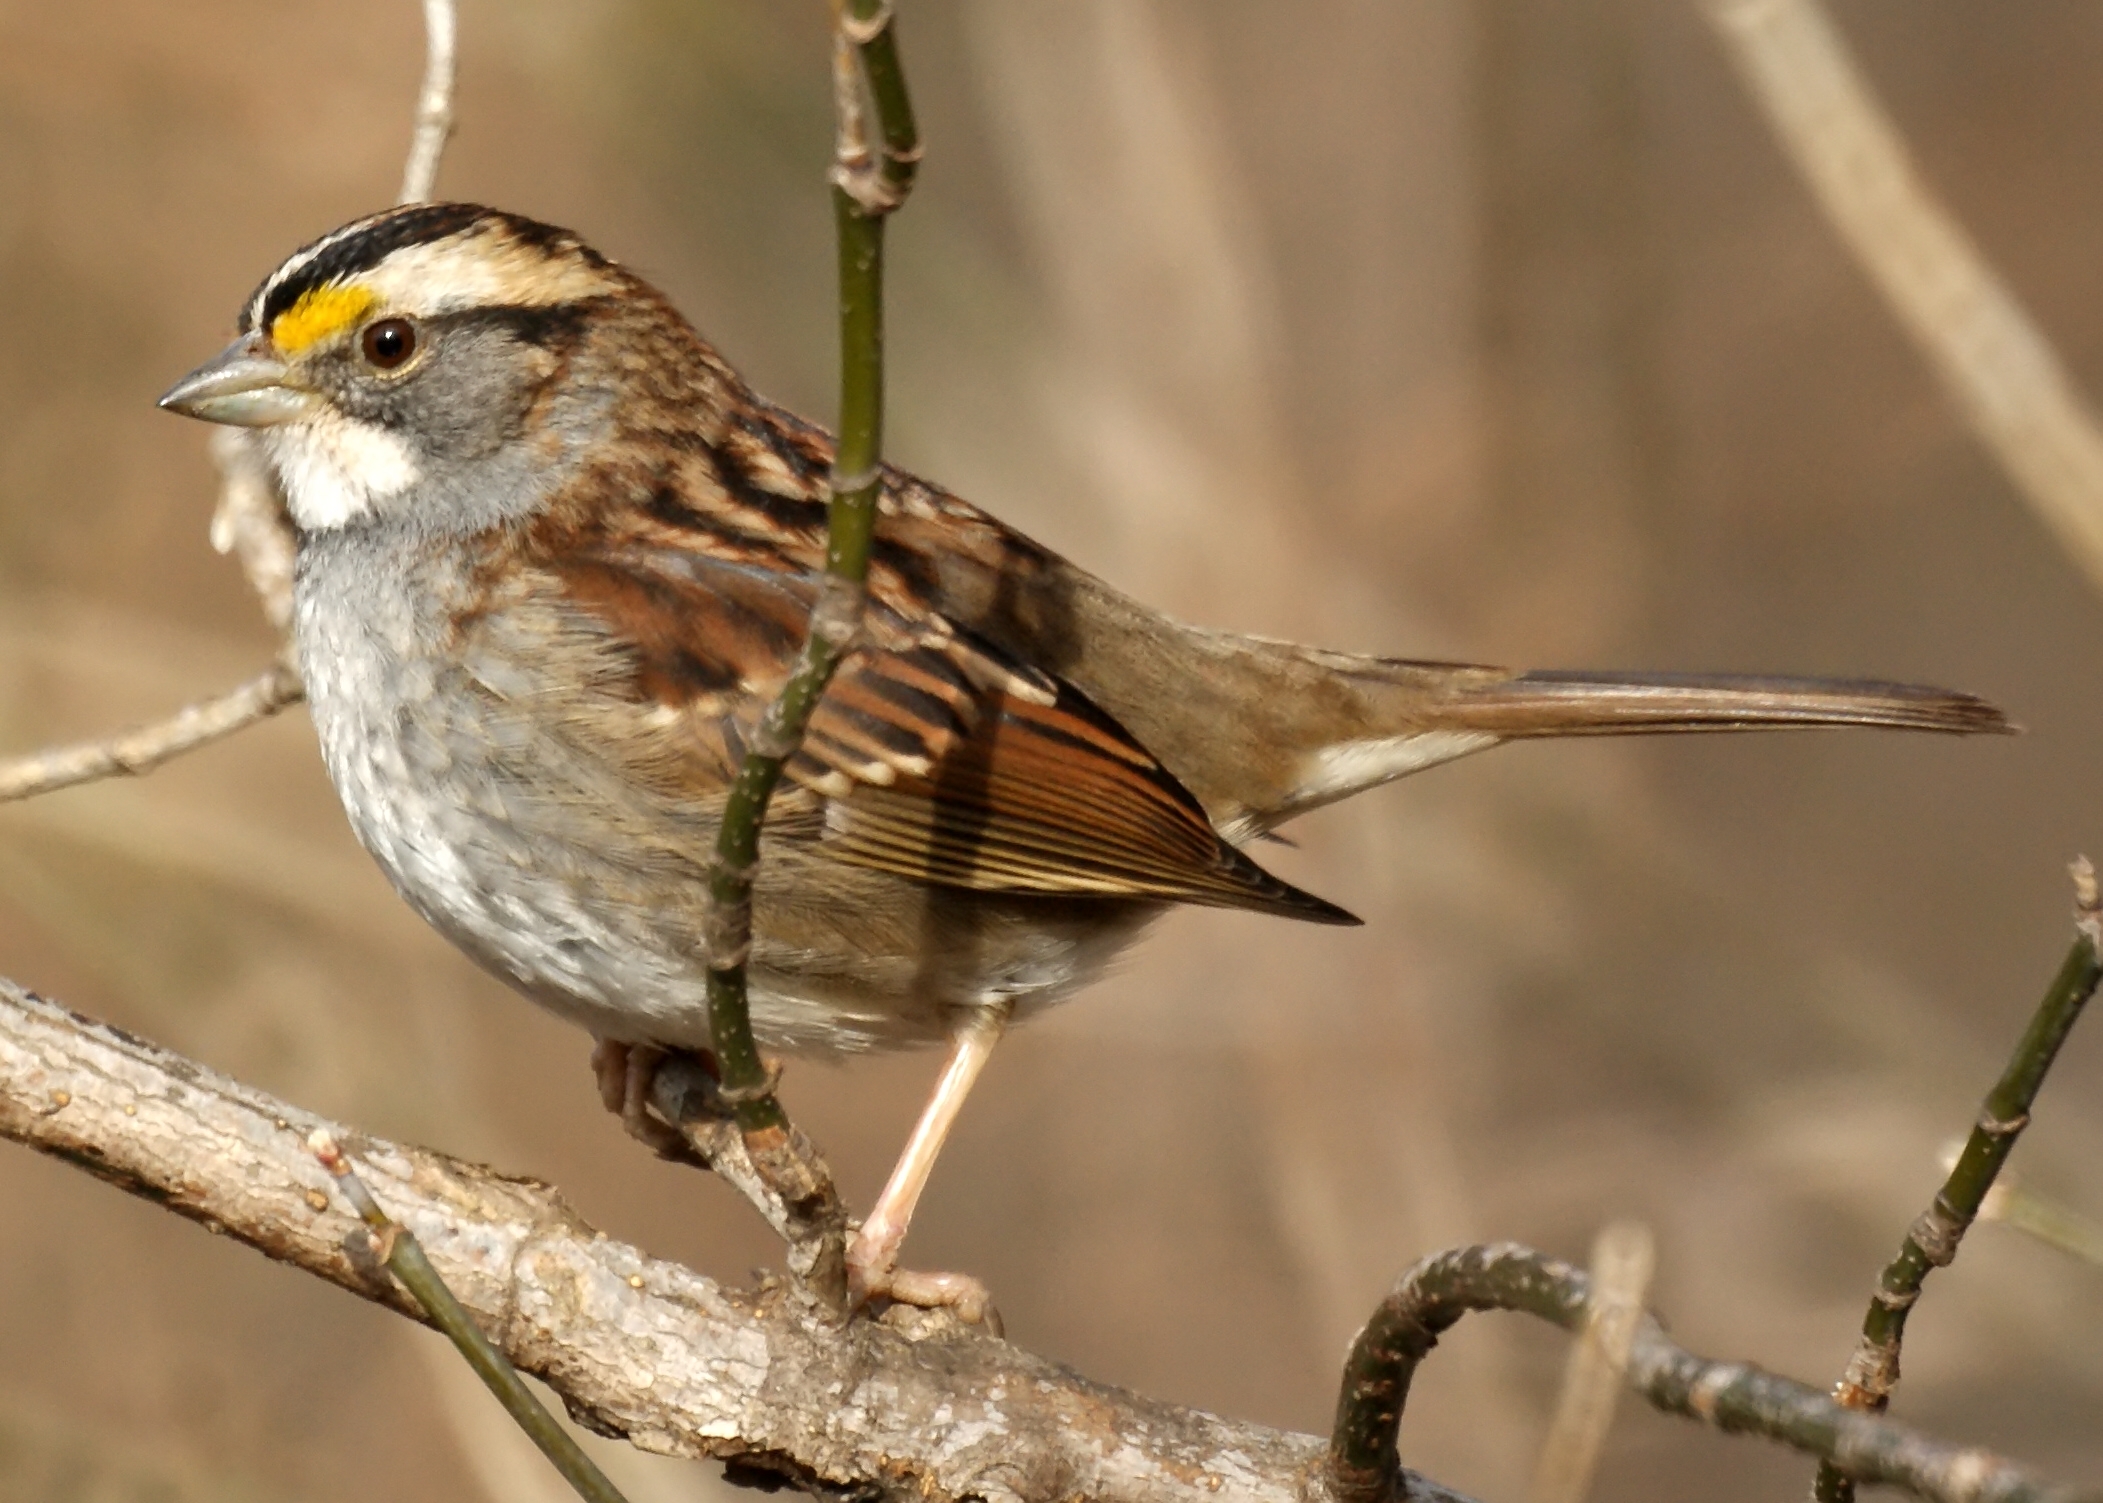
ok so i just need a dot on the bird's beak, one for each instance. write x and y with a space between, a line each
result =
245 385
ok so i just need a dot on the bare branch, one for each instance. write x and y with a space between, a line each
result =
250 522
142 749
915 1404
1730 1396
782 1175
2003 373
434 103
866 78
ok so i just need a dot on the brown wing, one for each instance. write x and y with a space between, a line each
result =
1021 796
942 759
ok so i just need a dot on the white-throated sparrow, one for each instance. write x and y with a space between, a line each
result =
555 558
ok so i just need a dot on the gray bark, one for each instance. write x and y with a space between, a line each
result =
913 1405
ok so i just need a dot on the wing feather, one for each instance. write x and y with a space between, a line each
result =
944 759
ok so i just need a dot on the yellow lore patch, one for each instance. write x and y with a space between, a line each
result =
320 313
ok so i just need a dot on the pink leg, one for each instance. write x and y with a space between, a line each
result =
872 1257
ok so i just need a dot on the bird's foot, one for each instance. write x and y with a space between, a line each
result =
873 1274
627 1073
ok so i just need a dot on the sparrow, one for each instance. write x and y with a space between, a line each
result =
555 558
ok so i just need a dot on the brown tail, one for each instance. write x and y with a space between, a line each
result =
1557 703
1403 717
1262 730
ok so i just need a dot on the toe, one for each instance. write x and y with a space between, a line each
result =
609 1066
873 1274
960 1292
638 1076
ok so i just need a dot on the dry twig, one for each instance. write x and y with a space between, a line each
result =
146 747
434 103
2002 371
249 522
1623 1256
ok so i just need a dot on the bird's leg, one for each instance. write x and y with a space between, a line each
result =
872 1255
626 1073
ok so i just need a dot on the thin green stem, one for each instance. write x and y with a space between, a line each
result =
406 1260
870 24
867 78
1932 1241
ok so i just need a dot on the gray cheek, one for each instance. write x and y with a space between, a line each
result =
479 466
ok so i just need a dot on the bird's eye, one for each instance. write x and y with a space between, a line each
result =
388 343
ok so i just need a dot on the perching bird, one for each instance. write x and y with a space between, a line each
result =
555 558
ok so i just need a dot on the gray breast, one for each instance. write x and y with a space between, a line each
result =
436 775
492 815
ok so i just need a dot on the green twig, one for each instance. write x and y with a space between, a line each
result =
406 1261
1734 1397
1931 1242
877 175
866 77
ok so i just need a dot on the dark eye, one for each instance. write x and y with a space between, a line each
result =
388 343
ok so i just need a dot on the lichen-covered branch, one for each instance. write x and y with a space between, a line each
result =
2006 378
915 1404
1931 1242
1735 1397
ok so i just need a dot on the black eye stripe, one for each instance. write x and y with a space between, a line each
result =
549 326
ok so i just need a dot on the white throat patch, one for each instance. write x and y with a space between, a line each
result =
336 470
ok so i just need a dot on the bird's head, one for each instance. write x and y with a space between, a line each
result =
416 364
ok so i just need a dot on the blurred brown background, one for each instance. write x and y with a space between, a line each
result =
1494 330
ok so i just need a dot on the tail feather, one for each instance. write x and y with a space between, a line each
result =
1261 730
1555 703
1410 715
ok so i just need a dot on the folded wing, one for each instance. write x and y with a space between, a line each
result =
939 757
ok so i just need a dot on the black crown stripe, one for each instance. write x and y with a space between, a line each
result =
360 247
